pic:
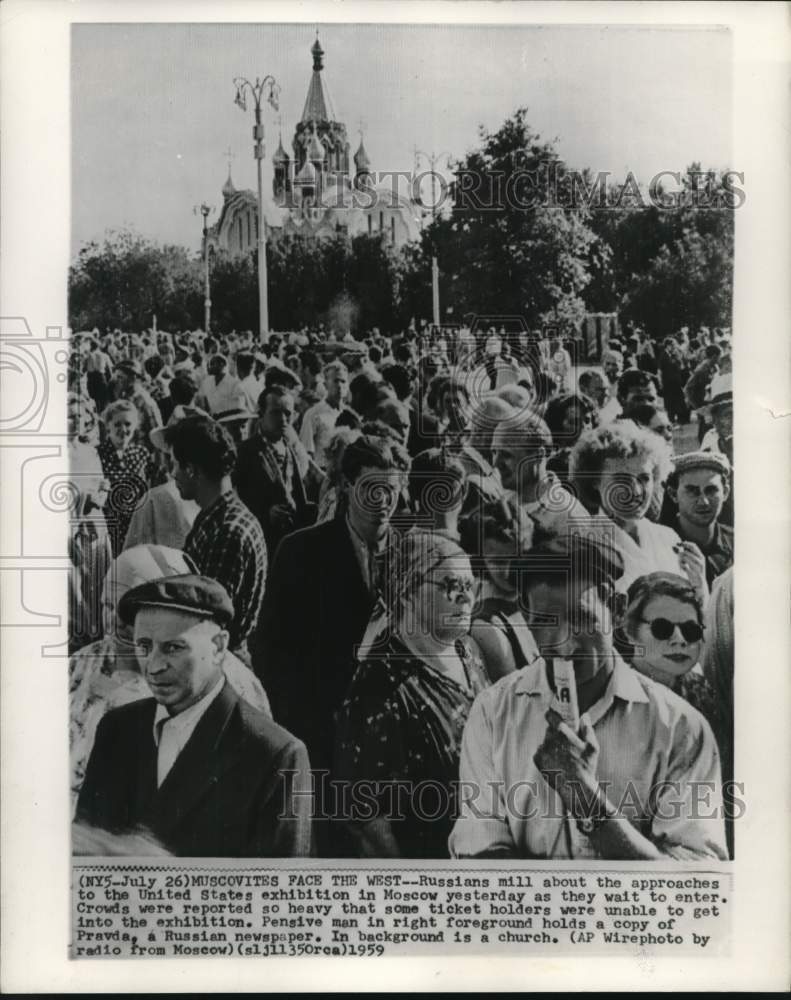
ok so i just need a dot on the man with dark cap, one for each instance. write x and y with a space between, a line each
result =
196 766
620 782
700 486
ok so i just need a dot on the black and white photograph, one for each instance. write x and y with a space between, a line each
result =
394 448
406 475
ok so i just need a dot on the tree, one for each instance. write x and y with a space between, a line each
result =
128 279
515 242
671 261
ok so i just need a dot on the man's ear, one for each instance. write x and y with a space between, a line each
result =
220 640
726 490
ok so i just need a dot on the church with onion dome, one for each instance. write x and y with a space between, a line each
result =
320 190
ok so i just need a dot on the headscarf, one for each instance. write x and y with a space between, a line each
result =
411 560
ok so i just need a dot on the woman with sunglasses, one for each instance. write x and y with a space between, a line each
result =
399 729
663 626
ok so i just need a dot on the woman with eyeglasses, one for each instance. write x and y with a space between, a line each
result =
663 628
399 729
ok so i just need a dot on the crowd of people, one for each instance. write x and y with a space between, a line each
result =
324 592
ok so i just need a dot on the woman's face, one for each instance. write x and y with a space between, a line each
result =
660 424
442 605
121 430
74 419
665 660
575 421
626 487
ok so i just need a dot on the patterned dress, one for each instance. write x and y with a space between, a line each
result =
128 476
400 728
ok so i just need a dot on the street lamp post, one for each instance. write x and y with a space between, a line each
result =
205 210
433 159
257 90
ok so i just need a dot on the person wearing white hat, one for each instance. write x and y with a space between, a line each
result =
720 404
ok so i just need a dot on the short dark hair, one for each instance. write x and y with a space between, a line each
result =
183 388
244 363
202 442
556 411
374 354
439 385
311 362
436 481
399 377
634 378
280 391
368 451
364 392
153 365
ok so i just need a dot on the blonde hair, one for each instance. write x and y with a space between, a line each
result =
119 406
619 439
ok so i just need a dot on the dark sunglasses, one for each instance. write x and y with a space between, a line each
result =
663 629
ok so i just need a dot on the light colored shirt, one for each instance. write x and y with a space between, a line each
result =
652 553
251 389
610 411
163 518
172 732
318 424
655 749
221 396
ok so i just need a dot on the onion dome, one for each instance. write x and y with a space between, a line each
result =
280 155
361 160
307 174
228 190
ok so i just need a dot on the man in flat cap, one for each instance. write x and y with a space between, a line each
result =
628 780
700 485
196 766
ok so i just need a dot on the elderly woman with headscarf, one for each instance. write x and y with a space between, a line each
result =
106 674
399 728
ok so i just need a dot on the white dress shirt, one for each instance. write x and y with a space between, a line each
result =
172 732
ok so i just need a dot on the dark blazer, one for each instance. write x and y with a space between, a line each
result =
224 797
316 609
260 485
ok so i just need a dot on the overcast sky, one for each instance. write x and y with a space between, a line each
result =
153 111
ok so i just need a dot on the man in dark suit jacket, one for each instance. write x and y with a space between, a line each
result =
321 591
204 772
271 469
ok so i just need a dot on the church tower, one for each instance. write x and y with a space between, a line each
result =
281 184
319 138
362 166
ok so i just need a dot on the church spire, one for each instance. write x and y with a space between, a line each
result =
318 105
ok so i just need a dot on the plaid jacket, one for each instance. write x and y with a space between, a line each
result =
227 544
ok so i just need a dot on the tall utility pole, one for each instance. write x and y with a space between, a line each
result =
433 159
257 90
205 210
